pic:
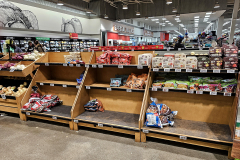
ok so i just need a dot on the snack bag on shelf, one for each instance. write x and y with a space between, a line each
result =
230 62
123 77
180 55
182 85
158 83
79 81
166 116
157 62
230 50
191 62
169 84
180 63
195 82
125 59
216 62
215 51
116 82
115 60
144 59
229 85
168 62
152 115
94 105
203 62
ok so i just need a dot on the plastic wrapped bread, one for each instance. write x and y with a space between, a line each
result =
144 59
191 62
168 62
157 62
180 55
180 63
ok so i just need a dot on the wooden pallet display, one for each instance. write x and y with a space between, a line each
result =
203 119
57 78
122 105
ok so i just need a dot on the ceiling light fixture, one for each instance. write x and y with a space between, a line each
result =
105 16
138 13
60 3
209 13
176 19
207 16
177 15
196 16
169 2
174 10
154 19
125 6
217 5
166 21
164 18
88 11
157 22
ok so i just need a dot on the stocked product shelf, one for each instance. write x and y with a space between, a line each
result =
195 70
58 83
60 64
118 66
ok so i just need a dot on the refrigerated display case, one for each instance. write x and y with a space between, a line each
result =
66 45
55 44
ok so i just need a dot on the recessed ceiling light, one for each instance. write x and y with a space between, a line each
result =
174 10
138 13
157 22
176 18
217 5
166 21
60 3
164 18
207 16
125 6
154 19
169 2
196 17
178 15
105 16
209 13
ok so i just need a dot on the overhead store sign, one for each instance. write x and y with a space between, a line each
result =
73 35
123 28
147 33
42 38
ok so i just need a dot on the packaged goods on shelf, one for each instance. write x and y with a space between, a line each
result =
157 62
168 62
182 84
195 82
180 63
169 55
216 62
215 51
18 67
191 62
159 115
123 78
73 58
116 82
180 55
79 80
158 83
171 84
136 81
109 57
144 59
203 62
94 105
12 90
229 85
230 50
230 62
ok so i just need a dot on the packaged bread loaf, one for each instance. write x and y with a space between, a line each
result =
203 62
230 62
157 62
215 51
168 62
144 59
180 55
180 63
230 50
191 62
216 62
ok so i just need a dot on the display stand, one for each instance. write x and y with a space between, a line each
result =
122 105
203 119
56 77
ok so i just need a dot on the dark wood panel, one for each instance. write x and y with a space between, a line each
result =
236 149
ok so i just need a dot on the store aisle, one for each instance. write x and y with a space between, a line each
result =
38 140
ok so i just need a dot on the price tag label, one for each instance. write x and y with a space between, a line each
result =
27 113
100 66
178 70
0 69
120 66
46 64
77 87
216 71
192 46
199 92
188 70
230 71
100 125
78 65
190 91
132 49
102 50
41 84
87 65
109 89
203 70
115 50
64 85
166 69
165 90
213 93
3 96
139 67
145 131
75 121
179 49
88 87
65 64
154 89
200 48
94 66
51 84
53 117
227 94
71 65
168 49
129 90
12 70
155 69
183 137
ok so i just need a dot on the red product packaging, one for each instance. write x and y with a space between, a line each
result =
125 55
124 61
116 54
115 60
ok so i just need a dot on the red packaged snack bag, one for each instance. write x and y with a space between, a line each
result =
116 54
125 55
124 61
115 60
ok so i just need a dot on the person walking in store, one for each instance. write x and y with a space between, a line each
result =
16 48
30 46
38 46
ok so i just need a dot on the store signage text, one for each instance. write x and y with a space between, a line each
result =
148 33
123 29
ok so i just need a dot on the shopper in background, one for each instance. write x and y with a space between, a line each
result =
30 47
44 48
16 48
38 46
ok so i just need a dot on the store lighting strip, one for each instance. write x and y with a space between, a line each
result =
224 24
178 32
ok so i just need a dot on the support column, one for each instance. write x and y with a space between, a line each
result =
220 26
233 22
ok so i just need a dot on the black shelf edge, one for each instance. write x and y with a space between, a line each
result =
185 91
116 89
196 70
48 84
9 70
57 64
116 65
9 97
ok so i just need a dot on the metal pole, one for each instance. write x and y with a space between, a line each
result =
220 26
233 22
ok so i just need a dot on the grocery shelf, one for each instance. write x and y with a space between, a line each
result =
189 92
233 71
58 64
58 83
107 87
118 66
111 119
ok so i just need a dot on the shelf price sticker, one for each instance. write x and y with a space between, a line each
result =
53 117
12 70
178 70
3 96
132 49
155 69
188 70
94 66
139 67
230 71
41 84
166 69
213 93
227 94
115 50
109 89
129 90
88 87
51 84
165 89
183 137
120 66
75 121
77 87
168 49
216 71
71 65
27 113
145 131
46 64
199 92
102 50
100 125
203 70
179 49
100 66
190 91
192 46
65 64
64 85
154 89
87 65
78 65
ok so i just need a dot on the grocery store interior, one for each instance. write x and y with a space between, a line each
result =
120 79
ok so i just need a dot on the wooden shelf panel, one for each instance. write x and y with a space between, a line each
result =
107 86
197 130
111 118
195 70
58 83
185 91
59 64
117 66
61 111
